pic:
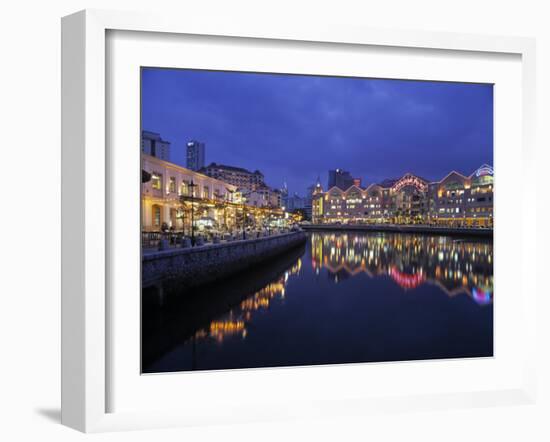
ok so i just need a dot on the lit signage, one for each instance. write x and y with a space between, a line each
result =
410 180
484 171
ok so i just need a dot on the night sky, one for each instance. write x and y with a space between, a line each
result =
295 128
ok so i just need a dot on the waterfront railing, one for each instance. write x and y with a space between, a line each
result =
170 239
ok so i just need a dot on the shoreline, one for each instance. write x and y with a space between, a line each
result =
195 266
423 229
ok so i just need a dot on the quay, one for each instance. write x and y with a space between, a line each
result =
397 228
190 267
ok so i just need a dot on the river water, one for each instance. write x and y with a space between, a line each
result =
342 298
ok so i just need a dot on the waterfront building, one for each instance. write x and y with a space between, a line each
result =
263 196
153 144
456 200
175 198
308 202
162 202
317 204
464 200
237 176
196 153
340 178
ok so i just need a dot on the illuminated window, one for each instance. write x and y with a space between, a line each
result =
206 192
172 185
156 216
156 181
483 180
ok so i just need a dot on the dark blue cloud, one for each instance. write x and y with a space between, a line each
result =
294 128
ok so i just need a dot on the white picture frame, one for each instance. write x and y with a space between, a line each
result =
85 198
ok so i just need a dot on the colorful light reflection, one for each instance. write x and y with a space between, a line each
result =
406 280
481 296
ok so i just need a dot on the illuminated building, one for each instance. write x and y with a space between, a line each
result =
237 176
173 197
263 196
463 200
161 195
250 184
456 200
308 202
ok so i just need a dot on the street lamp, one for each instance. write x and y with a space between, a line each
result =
231 192
244 213
244 220
192 186
181 215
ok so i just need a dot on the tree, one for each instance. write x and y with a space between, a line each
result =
219 203
398 213
299 214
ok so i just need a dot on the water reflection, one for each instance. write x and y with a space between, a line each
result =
234 323
345 297
456 266
172 315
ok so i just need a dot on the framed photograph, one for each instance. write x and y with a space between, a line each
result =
267 222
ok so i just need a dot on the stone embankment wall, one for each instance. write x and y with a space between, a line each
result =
199 265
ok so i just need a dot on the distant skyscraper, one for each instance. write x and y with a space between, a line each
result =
195 155
294 202
339 178
284 190
152 144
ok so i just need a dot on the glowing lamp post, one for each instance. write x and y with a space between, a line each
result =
231 192
244 220
244 195
192 186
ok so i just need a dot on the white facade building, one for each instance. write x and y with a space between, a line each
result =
161 195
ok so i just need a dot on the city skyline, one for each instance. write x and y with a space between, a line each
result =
296 128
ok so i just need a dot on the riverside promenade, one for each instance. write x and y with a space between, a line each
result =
396 228
194 266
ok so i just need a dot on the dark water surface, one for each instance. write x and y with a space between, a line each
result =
344 297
